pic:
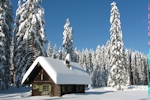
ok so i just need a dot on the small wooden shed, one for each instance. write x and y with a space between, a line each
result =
52 77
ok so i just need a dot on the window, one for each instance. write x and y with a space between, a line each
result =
69 88
77 88
64 88
46 88
81 88
35 86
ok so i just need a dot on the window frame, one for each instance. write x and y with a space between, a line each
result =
45 88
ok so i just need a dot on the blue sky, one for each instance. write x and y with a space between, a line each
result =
90 22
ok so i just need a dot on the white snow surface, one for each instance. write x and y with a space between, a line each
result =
59 72
24 93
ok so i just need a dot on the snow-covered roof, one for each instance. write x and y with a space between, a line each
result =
59 72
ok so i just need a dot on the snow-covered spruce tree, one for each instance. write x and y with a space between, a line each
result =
49 50
104 71
90 65
145 61
85 60
63 54
29 36
54 55
88 61
94 74
107 56
134 69
98 55
68 39
12 73
117 72
139 68
15 42
144 69
59 54
76 55
142 74
82 58
127 62
6 21
99 58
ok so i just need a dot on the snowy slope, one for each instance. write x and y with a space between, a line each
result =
93 94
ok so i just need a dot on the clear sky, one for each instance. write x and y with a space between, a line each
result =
90 22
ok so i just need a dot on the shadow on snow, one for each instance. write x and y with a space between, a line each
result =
13 90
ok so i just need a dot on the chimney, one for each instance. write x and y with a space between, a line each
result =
67 60
67 63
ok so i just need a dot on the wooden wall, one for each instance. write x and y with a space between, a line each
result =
43 79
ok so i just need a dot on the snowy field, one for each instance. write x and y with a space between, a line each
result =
132 93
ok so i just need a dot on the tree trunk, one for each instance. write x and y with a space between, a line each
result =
134 83
119 85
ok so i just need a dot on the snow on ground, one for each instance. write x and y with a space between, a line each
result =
132 93
129 88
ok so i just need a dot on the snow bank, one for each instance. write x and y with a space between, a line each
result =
128 88
91 94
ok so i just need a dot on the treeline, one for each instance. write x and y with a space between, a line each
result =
97 63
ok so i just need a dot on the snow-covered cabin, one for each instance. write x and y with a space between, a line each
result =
53 77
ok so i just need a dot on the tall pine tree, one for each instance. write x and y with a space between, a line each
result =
68 39
29 36
54 55
6 21
49 50
117 72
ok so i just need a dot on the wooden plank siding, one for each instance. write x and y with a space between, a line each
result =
43 78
